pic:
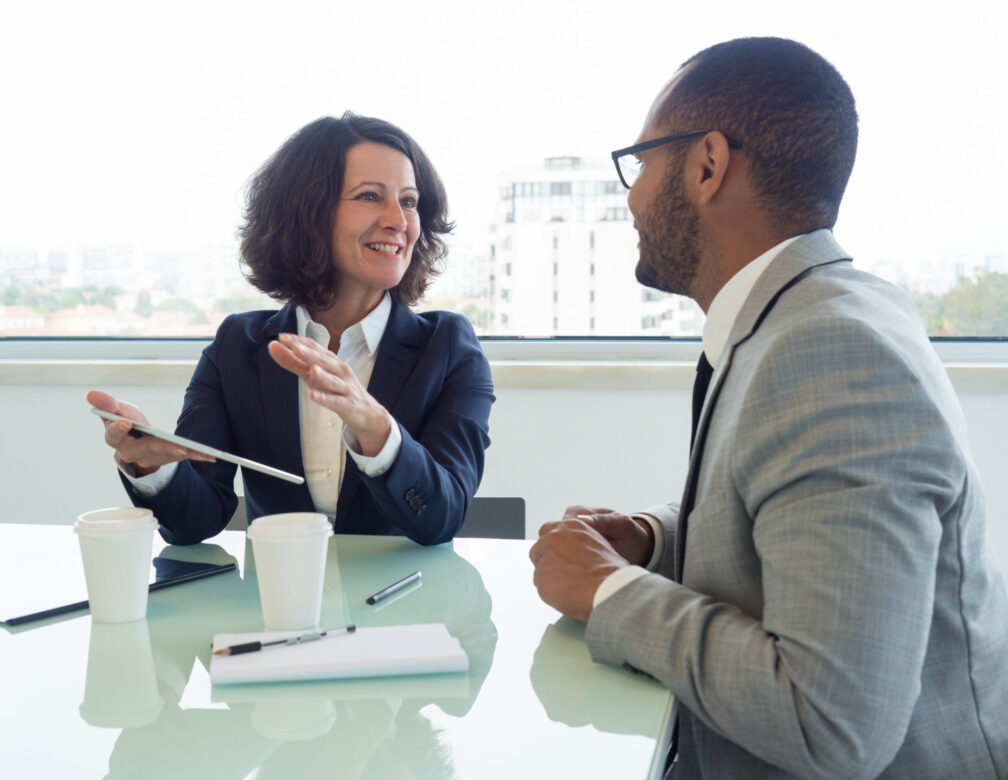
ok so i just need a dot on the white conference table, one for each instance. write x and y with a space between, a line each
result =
87 700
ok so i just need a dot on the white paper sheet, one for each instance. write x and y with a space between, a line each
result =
378 651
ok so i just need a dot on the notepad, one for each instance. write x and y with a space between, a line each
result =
378 651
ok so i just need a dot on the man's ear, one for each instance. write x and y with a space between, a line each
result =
710 166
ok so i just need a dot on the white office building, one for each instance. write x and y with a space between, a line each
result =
563 252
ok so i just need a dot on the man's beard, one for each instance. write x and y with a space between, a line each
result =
669 238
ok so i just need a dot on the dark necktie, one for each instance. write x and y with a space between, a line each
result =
704 371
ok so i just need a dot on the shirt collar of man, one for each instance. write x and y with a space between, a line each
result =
729 299
371 328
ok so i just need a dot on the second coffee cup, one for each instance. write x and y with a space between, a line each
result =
290 560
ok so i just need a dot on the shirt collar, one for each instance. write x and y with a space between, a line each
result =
730 298
371 328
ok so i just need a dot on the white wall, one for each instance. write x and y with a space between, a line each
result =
621 448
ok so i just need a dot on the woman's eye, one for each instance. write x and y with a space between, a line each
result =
371 196
409 202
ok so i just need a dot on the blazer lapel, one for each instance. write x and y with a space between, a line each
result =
793 264
278 389
398 351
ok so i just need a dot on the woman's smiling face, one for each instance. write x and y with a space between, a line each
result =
376 222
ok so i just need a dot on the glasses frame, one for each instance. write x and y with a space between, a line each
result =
641 147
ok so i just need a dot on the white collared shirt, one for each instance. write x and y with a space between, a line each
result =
325 440
721 315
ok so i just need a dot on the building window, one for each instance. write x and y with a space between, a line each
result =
562 162
560 188
556 242
591 240
556 296
556 268
591 296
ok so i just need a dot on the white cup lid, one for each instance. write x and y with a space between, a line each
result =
289 524
115 520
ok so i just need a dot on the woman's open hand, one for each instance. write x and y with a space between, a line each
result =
334 385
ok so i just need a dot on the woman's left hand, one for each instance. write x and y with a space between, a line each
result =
333 384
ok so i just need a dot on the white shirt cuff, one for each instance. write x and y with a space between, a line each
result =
153 483
659 538
382 462
615 581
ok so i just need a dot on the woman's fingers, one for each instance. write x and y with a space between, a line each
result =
286 358
145 451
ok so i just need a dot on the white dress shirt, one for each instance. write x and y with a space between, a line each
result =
325 439
717 327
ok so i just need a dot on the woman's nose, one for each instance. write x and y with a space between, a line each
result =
393 216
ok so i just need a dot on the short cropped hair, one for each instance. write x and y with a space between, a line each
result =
792 112
286 240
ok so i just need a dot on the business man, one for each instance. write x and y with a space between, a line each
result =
823 601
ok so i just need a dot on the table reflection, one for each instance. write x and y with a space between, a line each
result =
361 728
584 699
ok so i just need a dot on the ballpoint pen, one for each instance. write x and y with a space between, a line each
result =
394 587
252 647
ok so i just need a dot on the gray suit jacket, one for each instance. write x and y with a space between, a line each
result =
840 613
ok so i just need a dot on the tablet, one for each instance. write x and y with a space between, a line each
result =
206 450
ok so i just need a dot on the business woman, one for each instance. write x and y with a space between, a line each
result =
383 411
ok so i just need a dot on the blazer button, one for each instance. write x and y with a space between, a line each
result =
408 495
422 509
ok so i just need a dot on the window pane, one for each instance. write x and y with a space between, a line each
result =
130 130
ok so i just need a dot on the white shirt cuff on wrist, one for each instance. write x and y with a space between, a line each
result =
382 462
615 581
153 483
659 539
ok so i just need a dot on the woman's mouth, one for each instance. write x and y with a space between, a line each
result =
390 250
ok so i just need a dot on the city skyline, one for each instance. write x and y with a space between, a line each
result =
113 136
138 126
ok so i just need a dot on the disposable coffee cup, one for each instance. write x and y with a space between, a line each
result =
116 546
290 561
120 690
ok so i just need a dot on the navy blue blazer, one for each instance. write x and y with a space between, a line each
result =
431 375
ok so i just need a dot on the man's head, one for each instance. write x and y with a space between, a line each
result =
792 112
792 115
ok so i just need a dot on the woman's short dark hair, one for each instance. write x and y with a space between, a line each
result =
792 112
286 241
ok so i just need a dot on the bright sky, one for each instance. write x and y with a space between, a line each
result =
123 123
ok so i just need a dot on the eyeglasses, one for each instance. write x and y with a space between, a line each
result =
628 164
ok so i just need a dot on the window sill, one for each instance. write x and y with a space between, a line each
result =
972 367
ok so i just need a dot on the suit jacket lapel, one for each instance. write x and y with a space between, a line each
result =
397 354
278 389
793 264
